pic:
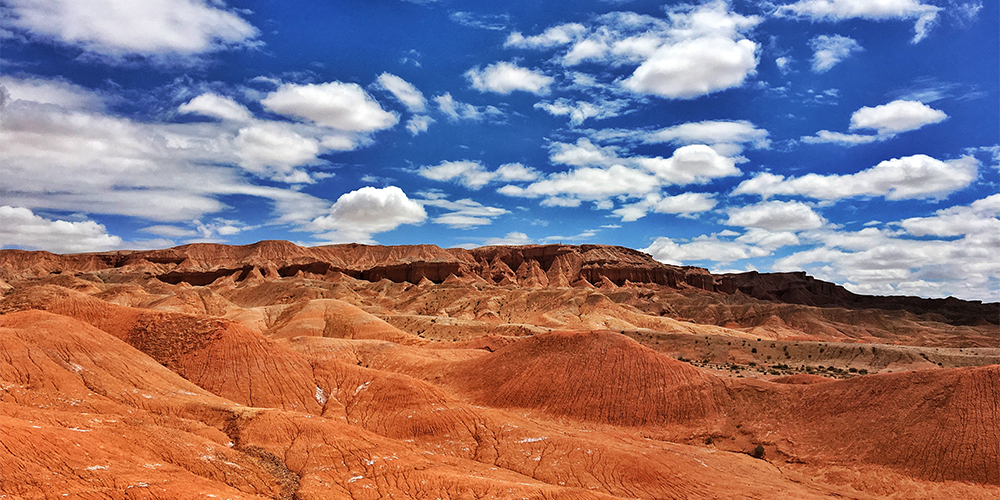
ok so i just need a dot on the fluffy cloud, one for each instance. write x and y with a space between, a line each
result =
682 204
358 215
896 117
828 137
340 106
20 227
216 106
407 94
418 124
917 176
73 156
456 110
839 10
830 50
711 248
725 137
118 28
463 214
693 68
601 174
513 238
776 216
51 91
581 111
979 218
505 77
885 262
697 50
474 175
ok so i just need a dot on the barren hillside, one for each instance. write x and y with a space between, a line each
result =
277 371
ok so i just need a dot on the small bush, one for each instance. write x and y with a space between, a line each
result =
758 452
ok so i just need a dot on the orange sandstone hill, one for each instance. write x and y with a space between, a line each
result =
351 371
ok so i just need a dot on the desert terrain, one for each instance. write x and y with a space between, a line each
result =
552 372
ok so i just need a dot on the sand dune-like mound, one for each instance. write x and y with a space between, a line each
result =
273 370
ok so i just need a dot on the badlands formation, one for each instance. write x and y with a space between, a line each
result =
593 372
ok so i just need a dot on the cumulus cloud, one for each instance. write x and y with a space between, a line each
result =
505 77
474 175
601 174
21 228
726 137
830 50
828 137
456 110
693 68
118 28
75 157
918 176
839 10
896 117
887 262
776 216
418 124
695 51
404 91
337 105
358 215
682 204
216 106
512 238
463 214
580 111
711 248
978 218
52 91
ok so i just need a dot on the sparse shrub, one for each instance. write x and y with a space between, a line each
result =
863 371
758 451
754 350
853 370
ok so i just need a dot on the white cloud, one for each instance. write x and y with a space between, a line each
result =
274 150
20 227
553 37
693 68
725 137
463 214
456 110
601 174
697 50
830 50
581 111
505 77
979 218
341 106
118 28
896 117
776 216
474 175
910 177
82 160
512 172
683 204
825 136
407 94
216 106
358 215
885 262
710 248
52 91
418 124
513 238
839 10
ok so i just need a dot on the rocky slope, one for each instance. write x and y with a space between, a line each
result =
351 371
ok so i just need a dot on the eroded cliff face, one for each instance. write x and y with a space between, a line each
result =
528 266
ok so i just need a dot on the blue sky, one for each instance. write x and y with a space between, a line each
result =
855 140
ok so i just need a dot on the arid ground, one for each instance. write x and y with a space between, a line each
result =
364 372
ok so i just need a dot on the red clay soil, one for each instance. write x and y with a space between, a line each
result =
277 371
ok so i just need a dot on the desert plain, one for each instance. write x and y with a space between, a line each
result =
553 372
